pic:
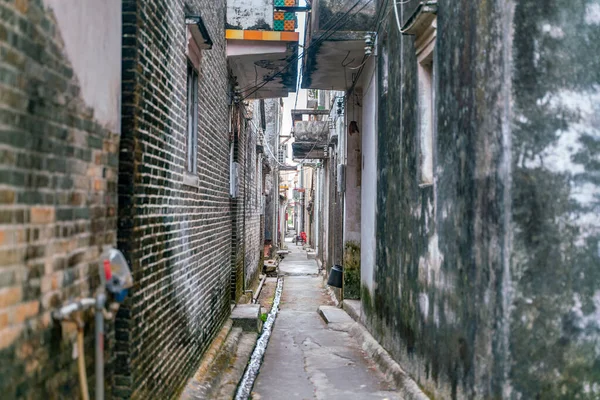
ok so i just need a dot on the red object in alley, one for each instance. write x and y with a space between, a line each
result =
107 271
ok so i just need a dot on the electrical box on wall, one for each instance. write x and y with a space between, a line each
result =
341 178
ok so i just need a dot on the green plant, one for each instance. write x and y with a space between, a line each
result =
352 270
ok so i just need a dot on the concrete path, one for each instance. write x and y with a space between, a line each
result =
305 358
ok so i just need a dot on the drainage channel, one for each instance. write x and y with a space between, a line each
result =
247 382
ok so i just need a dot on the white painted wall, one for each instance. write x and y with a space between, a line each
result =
326 203
353 160
369 177
250 14
91 31
259 49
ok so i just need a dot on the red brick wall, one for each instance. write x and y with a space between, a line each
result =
58 186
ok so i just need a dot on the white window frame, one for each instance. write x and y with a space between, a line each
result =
233 166
194 56
192 120
425 42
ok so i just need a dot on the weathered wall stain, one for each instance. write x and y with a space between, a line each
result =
250 14
351 270
486 283
556 164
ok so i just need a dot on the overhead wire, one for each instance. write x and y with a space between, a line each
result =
262 135
316 41
381 17
328 33
398 24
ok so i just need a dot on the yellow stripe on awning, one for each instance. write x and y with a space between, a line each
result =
274 36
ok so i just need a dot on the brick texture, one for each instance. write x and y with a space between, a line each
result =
65 179
247 232
253 251
239 131
54 214
176 237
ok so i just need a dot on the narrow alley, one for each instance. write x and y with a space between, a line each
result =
299 199
307 359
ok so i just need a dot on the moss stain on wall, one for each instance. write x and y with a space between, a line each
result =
352 270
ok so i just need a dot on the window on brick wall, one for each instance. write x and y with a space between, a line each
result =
425 46
192 120
233 165
197 39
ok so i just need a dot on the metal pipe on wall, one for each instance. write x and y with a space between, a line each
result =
100 303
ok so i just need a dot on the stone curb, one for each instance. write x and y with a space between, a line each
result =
352 312
407 387
202 381
232 375
214 349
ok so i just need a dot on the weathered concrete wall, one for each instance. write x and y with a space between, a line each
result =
353 160
274 118
486 282
325 209
311 131
369 178
58 184
344 15
250 14
91 35
555 254
335 216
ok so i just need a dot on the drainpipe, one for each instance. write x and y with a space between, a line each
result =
100 303
66 314
116 279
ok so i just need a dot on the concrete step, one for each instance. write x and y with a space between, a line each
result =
334 315
336 318
247 317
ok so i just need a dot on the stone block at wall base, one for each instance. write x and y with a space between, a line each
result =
247 317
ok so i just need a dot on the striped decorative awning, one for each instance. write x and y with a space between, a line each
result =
279 36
